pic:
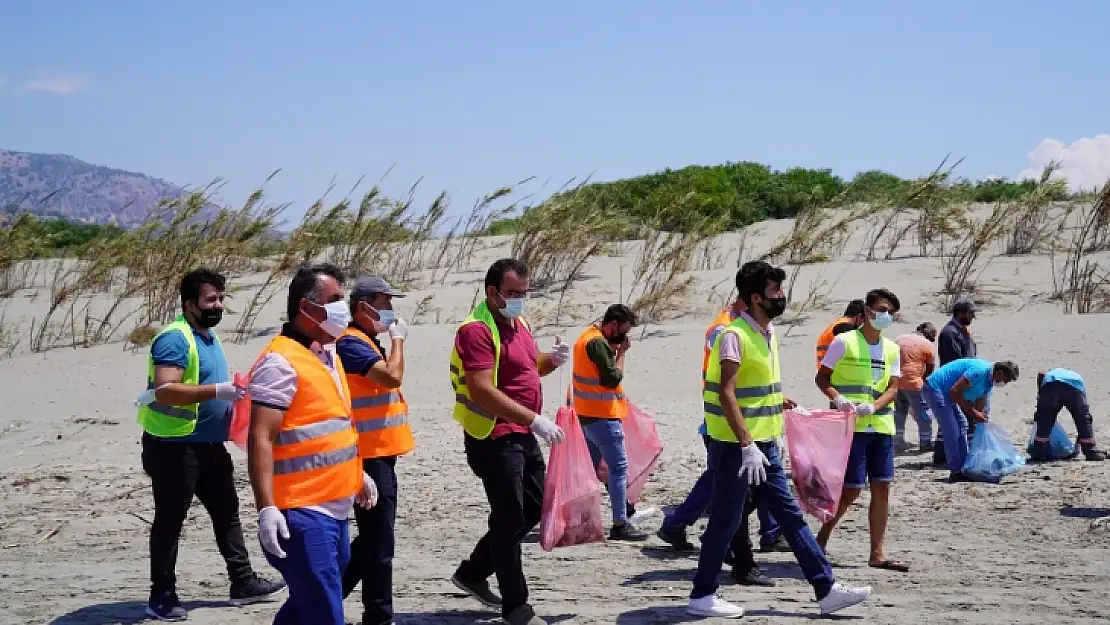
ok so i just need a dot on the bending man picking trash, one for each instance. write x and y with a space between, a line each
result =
860 374
743 423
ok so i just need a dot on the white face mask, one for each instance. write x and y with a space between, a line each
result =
882 321
514 307
339 317
385 319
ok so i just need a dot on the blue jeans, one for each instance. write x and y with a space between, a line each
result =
910 400
730 493
605 438
697 502
316 553
953 426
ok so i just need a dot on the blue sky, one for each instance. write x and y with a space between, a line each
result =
476 95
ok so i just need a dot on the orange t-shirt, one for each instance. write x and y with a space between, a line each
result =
917 352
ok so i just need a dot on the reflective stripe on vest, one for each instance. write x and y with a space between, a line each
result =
591 398
475 420
758 388
853 378
316 454
164 420
380 413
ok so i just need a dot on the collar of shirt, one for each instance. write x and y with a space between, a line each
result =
755 326
325 354
955 323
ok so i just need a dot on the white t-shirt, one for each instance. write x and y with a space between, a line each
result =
878 359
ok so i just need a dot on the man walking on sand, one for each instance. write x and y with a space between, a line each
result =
495 370
953 343
918 359
744 406
303 450
381 419
186 419
601 406
860 375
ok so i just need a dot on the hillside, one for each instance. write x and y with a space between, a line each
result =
56 185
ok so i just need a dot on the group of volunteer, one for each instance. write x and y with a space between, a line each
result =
328 421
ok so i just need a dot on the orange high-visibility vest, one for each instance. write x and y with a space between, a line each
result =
591 399
722 319
316 451
381 414
826 338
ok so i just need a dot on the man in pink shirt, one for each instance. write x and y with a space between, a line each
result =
918 361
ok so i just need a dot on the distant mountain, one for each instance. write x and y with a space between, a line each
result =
56 185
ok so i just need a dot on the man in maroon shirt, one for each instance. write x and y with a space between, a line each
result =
508 461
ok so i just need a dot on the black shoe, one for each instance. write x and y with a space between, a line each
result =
255 590
166 607
478 590
779 545
938 458
956 477
1094 455
678 541
627 531
524 615
752 577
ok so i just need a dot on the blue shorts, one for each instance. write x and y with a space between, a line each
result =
872 459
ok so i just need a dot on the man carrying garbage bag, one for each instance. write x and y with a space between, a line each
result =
1063 388
860 375
957 395
743 423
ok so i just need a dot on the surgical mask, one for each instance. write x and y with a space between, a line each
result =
385 319
774 307
514 307
339 317
882 321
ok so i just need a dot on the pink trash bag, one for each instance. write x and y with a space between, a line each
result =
571 495
643 447
819 442
241 414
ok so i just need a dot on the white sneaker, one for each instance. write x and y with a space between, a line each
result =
841 597
715 607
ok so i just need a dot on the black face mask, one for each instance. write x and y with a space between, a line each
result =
210 317
617 339
774 307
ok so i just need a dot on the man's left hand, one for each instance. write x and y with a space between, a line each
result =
368 496
560 353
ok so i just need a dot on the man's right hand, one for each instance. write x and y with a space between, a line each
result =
546 430
271 526
398 329
979 415
227 391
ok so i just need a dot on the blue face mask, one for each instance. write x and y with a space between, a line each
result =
386 317
882 321
514 307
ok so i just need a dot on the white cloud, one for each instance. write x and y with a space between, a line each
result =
1085 163
61 85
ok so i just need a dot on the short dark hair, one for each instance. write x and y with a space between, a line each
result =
874 295
621 314
754 277
854 309
1007 367
305 283
925 327
497 271
192 281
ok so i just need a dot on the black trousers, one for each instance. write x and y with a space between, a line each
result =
178 471
1054 396
512 471
372 550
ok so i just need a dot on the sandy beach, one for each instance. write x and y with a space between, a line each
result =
75 505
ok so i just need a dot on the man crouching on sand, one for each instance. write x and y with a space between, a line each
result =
743 424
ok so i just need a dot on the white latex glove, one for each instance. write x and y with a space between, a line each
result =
546 430
863 410
227 391
845 405
753 465
398 329
560 353
368 496
271 526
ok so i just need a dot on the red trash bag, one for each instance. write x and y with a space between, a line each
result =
643 447
241 414
819 442
571 495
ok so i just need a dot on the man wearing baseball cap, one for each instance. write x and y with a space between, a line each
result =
953 343
381 418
